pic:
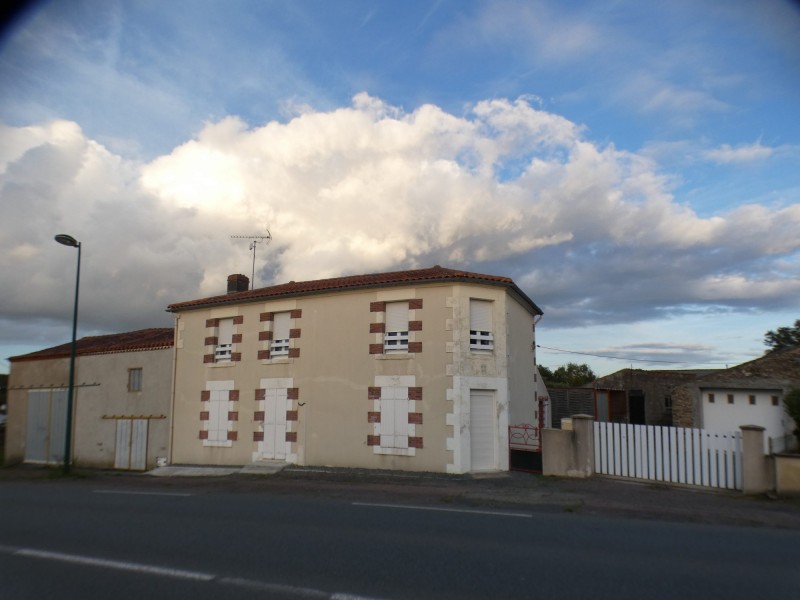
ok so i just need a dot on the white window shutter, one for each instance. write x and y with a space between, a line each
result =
281 326
225 331
480 315
396 316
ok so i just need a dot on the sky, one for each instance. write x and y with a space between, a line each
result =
633 166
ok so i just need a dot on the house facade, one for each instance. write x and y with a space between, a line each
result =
419 370
121 402
748 394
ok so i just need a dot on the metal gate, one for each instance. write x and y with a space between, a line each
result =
525 441
46 427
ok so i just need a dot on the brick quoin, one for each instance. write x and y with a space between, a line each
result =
291 436
236 356
415 393
415 442
238 320
211 341
377 327
204 415
233 395
233 415
208 358
205 395
413 347
415 325
415 303
415 418
236 338
373 393
294 352
373 417
297 313
377 307
258 436
258 415
203 435
374 349
212 322
294 334
293 393
233 436
263 355
261 394
291 415
264 336
373 440
266 316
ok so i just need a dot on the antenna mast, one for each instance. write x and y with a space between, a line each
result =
254 241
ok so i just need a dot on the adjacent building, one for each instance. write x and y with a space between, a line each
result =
420 370
121 404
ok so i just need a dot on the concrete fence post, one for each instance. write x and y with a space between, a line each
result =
583 446
758 471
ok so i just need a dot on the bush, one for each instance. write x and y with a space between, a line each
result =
792 403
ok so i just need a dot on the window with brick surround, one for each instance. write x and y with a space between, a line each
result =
224 340
135 380
395 407
711 398
281 324
730 398
752 399
395 337
774 401
480 325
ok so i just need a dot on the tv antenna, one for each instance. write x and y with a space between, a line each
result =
254 241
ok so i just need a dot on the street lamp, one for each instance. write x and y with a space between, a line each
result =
68 240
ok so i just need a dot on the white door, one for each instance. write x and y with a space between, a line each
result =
274 444
131 446
45 434
482 430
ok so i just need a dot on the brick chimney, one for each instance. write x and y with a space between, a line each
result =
238 283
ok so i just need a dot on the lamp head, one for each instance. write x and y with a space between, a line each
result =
67 240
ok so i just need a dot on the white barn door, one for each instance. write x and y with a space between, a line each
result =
131 445
482 430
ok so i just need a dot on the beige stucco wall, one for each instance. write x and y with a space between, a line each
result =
335 371
93 437
38 374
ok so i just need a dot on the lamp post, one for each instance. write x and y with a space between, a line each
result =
68 240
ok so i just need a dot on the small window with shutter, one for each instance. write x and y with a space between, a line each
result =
395 337
280 334
480 325
224 340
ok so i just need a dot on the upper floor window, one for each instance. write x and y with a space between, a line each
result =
395 337
480 325
280 334
224 340
135 380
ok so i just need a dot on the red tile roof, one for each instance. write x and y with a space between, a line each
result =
131 341
434 274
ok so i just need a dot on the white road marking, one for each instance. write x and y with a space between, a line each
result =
115 564
91 561
130 493
495 513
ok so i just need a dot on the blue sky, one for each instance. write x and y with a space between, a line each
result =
633 166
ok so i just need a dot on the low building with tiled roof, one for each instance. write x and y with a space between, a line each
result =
418 370
748 394
121 405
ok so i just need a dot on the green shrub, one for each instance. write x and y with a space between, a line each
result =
792 403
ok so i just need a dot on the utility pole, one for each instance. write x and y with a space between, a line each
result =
254 241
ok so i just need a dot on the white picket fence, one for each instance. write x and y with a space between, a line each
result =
671 454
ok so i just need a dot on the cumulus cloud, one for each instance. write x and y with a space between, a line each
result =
590 232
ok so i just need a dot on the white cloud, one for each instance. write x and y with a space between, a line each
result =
726 154
590 232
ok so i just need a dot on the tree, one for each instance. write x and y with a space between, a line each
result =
783 337
792 403
569 375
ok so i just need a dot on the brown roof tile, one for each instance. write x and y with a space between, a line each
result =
130 341
303 288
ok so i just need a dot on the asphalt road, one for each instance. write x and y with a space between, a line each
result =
62 540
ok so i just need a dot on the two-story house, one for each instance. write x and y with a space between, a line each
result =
419 370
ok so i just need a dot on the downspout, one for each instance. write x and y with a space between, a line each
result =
172 391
